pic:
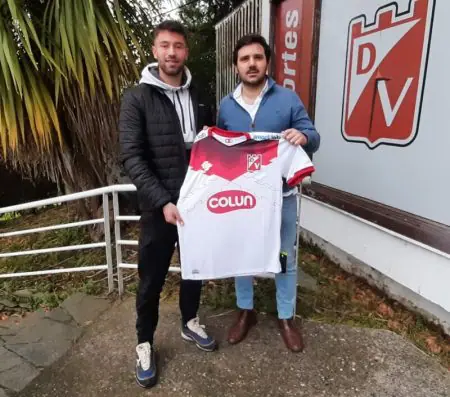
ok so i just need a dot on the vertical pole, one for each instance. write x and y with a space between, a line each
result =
297 246
265 19
108 248
117 238
217 33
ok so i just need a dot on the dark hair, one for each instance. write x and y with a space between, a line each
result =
251 39
171 26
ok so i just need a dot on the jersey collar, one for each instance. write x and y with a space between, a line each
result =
229 138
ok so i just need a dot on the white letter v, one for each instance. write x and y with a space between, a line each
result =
389 112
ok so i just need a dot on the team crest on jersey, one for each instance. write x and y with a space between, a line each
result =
385 74
254 162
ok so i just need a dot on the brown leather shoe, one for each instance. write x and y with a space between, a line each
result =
244 321
291 335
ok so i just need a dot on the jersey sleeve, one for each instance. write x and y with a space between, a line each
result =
296 164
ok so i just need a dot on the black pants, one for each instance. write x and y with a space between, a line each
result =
156 246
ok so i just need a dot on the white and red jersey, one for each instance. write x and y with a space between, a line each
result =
231 202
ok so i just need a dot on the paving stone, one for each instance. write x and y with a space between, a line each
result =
14 324
9 326
18 377
15 372
59 315
6 331
306 281
85 308
41 338
9 359
43 329
23 335
42 354
45 343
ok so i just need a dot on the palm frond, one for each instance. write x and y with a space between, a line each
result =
49 49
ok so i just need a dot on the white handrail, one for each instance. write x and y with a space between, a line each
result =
175 269
55 271
69 197
51 228
104 192
51 250
128 218
127 242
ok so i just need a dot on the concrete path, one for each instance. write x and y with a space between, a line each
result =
41 339
338 361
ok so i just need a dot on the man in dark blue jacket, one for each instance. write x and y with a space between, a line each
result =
259 104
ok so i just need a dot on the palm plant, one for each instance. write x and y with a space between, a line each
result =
64 64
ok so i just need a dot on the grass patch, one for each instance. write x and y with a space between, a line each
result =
32 292
9 216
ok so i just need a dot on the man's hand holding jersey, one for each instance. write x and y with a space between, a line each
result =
295 137
172 215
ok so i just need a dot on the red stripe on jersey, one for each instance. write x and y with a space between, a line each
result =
230 162
300 175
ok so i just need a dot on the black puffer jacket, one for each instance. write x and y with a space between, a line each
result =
152 148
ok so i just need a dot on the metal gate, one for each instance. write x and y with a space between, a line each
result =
253 16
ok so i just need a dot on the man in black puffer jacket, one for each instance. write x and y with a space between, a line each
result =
158 122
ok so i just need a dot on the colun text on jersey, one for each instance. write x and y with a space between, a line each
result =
231 200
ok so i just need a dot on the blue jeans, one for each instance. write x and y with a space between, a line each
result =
286 283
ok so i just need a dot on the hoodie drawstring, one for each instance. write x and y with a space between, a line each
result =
182 113
191 106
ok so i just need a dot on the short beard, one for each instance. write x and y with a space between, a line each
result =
172 73
255 83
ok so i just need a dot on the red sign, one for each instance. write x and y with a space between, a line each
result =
385 74
231 200
294 46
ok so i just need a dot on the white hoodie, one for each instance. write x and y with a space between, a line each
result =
179 96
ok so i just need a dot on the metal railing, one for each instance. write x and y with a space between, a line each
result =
119 243
106 244
112 267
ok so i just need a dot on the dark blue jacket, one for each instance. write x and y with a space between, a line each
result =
280 109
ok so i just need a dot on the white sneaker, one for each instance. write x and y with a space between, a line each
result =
193 331
145 365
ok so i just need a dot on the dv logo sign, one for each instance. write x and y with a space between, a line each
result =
385 74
